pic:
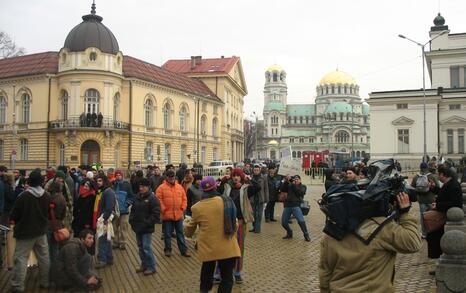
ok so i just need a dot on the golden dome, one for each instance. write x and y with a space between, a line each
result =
337 77
275 67
273 142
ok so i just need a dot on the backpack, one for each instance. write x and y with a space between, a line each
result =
422 183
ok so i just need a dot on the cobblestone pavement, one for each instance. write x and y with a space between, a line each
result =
271 264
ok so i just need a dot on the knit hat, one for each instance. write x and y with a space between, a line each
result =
197 177
118 172
35 178
238 172
89 175
208 183
60 174
423 166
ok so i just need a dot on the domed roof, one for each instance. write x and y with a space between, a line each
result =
91 33
337 77
366 108
439 20
273 142
276 68
338 107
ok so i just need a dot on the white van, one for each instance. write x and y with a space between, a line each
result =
217 168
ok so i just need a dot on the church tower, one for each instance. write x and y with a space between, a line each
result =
275 98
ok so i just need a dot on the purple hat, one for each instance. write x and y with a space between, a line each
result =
208 183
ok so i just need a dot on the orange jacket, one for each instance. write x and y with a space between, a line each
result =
173 201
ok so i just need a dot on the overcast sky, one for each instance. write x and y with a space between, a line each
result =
307 38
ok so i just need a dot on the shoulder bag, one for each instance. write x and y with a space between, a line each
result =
434 220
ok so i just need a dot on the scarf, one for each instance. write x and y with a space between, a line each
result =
96 210
229 216
83 193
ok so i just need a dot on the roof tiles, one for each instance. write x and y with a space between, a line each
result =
33 64
206 66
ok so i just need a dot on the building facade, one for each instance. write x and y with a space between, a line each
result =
338 121
397 121
90 103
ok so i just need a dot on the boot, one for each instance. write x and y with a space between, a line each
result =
304 229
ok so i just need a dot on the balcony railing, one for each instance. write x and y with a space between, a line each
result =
78 123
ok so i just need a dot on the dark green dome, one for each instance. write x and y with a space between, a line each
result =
439 20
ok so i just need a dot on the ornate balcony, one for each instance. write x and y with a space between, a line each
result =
75 123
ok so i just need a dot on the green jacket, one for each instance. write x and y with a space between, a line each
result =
429 197
351 266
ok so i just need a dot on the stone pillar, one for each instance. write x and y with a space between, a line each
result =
75 103
451 269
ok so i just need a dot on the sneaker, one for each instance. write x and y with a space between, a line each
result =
141 269
149 272
287 237
186 254
238 279
168 253
217 280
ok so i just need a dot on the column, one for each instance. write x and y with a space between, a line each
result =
108 91
75 103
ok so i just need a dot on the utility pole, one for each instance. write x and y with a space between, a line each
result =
13 152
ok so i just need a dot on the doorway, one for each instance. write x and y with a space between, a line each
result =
90 152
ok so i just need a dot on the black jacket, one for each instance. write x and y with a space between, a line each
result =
449 196
145 213
295 195
274 187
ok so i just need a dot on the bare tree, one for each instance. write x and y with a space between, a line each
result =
8 48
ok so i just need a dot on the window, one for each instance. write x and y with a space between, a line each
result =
1 150
295 119
215 154
293 154
214 127
167 154
183 154
299 154
307 120
148 151
289 120
93 56
2 110
301 139
275 77
450 141
342 136
26 108
166 116
301 120
461 141
402 106
203 155
403 140
148 110
62 154
23 149
116 107
455 106
454 76
64 106
183 114
91 101
203 124
215 109
204 107
291 139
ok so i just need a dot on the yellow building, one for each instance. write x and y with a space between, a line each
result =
90 103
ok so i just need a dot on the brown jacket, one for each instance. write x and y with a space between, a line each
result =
212 243
351 266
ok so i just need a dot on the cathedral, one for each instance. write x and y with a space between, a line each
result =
338 121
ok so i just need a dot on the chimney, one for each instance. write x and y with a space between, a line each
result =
195 60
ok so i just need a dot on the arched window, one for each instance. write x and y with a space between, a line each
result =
26 108
91 101
148 113
64 105
214 127
203 125
293 154
166 116
183 114
116 107
299 154
342 136
148 150
24 149
2 110
62 154
275 77
167 154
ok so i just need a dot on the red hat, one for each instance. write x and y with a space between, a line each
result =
118 172
238 172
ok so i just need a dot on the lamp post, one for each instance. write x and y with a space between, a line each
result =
424 157
14 131
255 136
196 134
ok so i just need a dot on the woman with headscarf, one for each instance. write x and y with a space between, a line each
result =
215 217
83 208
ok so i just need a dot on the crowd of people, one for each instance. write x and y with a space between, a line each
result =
98 207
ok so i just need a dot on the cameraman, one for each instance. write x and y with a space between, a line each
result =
350 265
296 192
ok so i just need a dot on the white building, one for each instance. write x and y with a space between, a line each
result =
397 124
338 121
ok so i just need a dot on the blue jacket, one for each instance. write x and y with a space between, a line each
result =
107 203
124 195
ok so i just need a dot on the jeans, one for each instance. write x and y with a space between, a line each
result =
22 251
423 207
104 250
146 255
269 210
120 227
53 246
226 272
257 208
298 214
168 227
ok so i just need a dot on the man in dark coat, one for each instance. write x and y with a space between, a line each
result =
155 179
447 197
145 213
274 182
72 270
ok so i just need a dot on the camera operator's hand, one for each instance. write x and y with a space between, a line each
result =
92 281
403 202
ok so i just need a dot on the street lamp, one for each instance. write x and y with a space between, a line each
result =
424 157
255 136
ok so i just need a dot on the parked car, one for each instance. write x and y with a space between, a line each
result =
218 167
